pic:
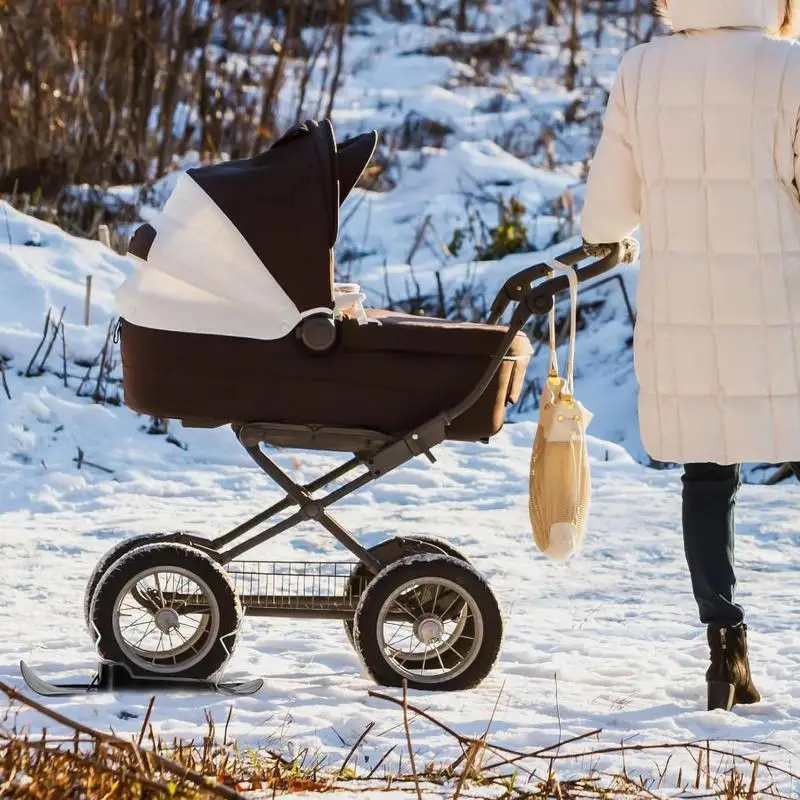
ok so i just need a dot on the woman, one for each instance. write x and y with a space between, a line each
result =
700 146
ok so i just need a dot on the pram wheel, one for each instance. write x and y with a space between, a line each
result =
106 560
431 620
392 550
167 610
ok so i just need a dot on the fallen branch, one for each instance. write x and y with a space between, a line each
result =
408 739
81 462
3 381
701 747
466 741
355 747
148 755
29 368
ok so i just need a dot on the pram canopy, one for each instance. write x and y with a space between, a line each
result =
245 248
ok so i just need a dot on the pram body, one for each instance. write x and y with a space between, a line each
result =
387 377
231 320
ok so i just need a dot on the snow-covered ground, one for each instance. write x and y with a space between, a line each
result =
608 641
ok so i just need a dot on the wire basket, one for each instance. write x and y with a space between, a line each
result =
330 588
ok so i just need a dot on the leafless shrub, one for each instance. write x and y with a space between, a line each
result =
113 91
492 54
416 132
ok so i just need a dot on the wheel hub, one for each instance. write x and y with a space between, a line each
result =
429 629
166 619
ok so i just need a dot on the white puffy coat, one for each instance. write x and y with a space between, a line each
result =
700 146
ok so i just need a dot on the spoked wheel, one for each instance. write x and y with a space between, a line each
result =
167 610
431 620
393 550
107 559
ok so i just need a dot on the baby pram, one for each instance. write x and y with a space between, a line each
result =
231 320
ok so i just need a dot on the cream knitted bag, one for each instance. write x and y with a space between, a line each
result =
560 483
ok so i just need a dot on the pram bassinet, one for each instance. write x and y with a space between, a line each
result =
230 316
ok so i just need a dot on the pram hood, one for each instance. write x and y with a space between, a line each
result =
245 247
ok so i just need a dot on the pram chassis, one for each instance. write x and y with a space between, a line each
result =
376 454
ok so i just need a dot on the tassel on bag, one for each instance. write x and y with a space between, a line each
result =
560 482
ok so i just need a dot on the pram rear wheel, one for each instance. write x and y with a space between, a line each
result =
167 610
431 620
391 550
106 560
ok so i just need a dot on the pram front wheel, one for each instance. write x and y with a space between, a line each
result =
431 620
391 550
166 610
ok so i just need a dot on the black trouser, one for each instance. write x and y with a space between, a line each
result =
709 499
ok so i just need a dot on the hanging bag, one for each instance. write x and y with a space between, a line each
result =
560 482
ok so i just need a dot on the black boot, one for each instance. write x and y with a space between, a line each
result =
728 677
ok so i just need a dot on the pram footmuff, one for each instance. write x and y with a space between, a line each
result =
233 317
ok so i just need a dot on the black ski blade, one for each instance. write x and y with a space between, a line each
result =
116 677
47 689
241 687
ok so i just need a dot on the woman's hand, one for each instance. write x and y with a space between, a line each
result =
630 250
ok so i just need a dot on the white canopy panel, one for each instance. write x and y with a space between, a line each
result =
153 299
202 276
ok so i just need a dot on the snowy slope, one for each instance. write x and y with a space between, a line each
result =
392 82
42 268
609 641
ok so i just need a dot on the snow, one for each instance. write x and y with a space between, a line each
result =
42 268
608 641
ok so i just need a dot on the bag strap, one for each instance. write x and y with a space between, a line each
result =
572 276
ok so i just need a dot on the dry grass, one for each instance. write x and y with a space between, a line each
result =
92 764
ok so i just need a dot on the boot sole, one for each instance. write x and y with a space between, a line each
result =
721 695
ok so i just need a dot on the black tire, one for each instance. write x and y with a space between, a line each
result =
392 550
216 642
487 626
106 560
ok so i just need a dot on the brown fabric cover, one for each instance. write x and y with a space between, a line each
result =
303 178
266 197
388 378
296 185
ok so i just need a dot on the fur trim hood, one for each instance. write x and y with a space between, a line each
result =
684 15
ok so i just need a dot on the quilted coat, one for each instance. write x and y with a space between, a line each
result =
700 147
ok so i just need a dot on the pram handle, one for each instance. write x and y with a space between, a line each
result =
531 302
518 286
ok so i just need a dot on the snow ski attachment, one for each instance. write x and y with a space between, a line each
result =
117 677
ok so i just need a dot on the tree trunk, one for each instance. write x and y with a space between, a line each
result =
182 32
574 47
461 19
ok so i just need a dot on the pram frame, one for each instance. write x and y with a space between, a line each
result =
377 453
366 596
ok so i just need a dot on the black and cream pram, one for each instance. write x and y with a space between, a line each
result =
233 318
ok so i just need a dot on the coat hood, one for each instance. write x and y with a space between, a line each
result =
685 15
